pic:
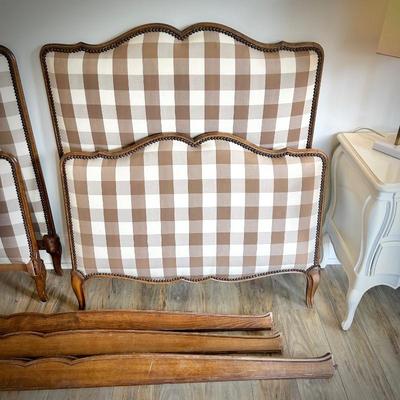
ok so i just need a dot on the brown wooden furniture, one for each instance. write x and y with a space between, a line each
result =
312 274
111 348
108 341
144 369
129 319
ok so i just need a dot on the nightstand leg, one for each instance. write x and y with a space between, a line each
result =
354 295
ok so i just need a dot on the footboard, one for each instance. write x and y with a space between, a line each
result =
171 207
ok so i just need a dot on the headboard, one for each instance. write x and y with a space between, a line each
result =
158 79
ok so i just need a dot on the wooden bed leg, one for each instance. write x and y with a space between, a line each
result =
38 272
313 277
77 280
52 244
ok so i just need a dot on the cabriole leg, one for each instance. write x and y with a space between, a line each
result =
357 288
38 273
313 277
77 280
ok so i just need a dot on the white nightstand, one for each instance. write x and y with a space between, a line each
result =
363 220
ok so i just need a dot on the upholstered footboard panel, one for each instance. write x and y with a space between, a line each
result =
173 207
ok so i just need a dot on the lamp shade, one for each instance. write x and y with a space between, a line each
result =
389 43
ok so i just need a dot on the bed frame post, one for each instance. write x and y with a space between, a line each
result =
77 280
38 272
313 276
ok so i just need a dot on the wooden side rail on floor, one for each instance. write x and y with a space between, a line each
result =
143 369
95 342
133 320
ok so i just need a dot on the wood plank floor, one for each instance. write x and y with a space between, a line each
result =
368 356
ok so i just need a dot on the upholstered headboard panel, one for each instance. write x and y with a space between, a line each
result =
157 79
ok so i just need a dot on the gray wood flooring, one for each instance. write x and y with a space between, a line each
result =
368 356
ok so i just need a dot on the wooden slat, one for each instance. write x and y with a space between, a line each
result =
94 342
143 369
128 319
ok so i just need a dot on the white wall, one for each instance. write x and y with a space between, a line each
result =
359 87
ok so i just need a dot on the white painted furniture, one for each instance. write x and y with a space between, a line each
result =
363 220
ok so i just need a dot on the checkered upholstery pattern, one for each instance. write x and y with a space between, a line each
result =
14 246
171 210
13 140
154 82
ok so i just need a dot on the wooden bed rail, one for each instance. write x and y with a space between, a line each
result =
95 342
133 320
143 369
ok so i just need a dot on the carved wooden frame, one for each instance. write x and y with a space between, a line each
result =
78 278
35 267
181 35
50 242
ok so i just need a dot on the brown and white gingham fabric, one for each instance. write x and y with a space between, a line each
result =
13 140
14 246
156 83
172 210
